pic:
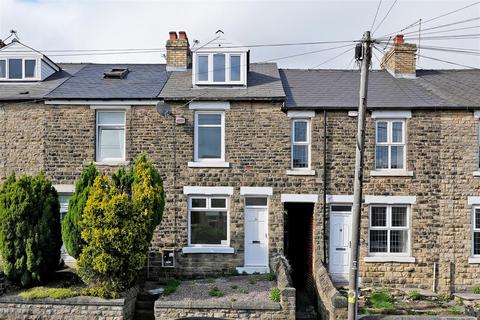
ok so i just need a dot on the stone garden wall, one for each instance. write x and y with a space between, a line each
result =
77 308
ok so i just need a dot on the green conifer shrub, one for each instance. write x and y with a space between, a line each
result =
71 232
30 237
117 227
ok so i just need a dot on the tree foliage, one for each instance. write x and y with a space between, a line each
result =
71 232
117 226
30 237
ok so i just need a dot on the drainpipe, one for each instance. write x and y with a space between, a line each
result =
324 186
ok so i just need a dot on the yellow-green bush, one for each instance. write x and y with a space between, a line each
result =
117 226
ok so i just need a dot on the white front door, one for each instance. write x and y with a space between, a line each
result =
340 228
256 237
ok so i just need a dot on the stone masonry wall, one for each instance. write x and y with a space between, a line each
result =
441 152
78 308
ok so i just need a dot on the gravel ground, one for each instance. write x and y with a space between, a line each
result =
235 288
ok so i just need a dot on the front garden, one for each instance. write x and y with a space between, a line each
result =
415 302
108 229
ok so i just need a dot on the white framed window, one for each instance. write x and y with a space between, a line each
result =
3 68
18 69
110 135
220 68
390 153
476 231
208 221
209 136
300 144
389 230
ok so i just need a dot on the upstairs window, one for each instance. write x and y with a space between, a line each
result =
209 136
300 144
18 69
110 136
390 144
220 68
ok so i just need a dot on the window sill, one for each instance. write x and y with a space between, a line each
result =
403 259
300 172
111 163
209 164
476 173
208 250
391 173
472 260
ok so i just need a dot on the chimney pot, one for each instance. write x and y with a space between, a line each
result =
173 35
182 35
398 39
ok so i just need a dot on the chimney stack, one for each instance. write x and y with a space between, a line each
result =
400 60
179 56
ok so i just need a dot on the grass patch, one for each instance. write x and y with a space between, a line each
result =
414 295
271 276
171 287
234 286
243 290
55 293
215 292
381 300
455 310
252 281
476 290
275 295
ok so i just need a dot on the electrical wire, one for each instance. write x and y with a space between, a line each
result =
449 62
431 19
376 14
385 17
332 58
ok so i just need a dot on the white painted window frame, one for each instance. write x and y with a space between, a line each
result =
474 229
24 59
389 228
112 126
228 55
257 206
301 143
208 208
389 143
195 143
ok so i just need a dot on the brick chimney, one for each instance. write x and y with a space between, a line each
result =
179 56
400 60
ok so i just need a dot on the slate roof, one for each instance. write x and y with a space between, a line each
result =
34 90
263 83
338 89
143 81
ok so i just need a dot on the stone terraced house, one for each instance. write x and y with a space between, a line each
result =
259 161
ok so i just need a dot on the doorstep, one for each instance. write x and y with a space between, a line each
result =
467 296
253 269
423 292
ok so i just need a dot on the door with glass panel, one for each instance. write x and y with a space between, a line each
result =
256 231
340 233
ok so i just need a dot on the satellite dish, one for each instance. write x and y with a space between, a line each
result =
164 109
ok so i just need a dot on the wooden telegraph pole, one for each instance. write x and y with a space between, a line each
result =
364 57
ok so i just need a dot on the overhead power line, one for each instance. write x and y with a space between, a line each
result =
431 19
376 14
385 17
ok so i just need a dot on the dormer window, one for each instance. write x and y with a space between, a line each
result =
220 68
18 69
221 62
19 62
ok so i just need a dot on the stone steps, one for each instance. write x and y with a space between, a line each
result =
144 306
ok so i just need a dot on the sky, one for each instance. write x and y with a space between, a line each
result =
48 25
